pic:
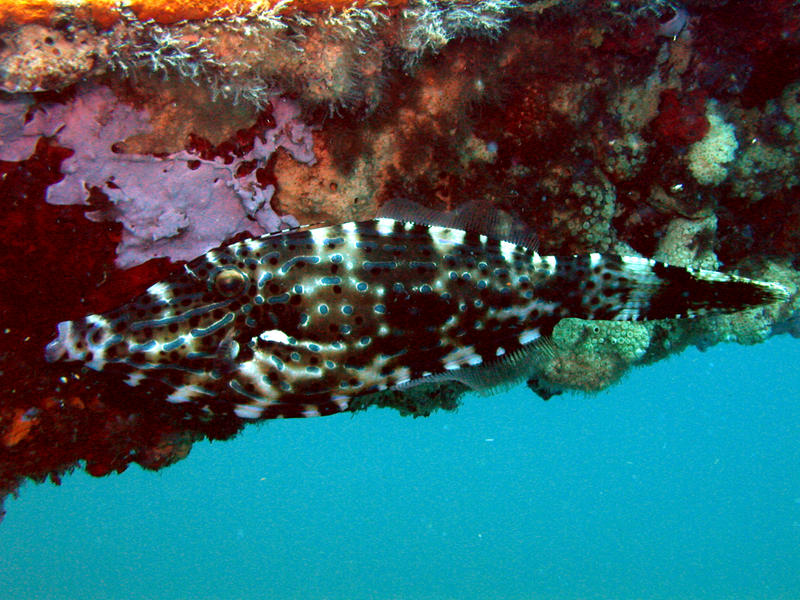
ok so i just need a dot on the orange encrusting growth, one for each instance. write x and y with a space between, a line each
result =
19 429
25 11
105 12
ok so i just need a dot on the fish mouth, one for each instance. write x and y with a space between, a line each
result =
63 347
57 349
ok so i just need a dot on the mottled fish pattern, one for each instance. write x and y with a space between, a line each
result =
296 323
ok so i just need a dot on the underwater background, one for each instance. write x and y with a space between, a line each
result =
138 135
681 482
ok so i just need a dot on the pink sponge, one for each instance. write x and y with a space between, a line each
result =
17 138
168 207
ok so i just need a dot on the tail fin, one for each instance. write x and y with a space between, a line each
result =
697 292
626 288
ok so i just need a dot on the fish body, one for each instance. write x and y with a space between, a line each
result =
296 323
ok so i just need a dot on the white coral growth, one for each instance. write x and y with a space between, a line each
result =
434 23
708 157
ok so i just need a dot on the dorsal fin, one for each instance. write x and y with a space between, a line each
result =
298 228
479 217
499 374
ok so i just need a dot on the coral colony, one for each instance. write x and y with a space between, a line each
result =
137 136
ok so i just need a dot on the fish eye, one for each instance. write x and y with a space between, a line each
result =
229 282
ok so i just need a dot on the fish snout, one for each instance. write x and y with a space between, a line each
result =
82 340
59 348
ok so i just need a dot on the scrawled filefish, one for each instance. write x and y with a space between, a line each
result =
294 324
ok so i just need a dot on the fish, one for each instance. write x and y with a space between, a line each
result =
300 322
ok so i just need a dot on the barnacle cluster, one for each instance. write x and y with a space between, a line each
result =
589 356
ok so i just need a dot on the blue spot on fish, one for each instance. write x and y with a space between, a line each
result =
298 260
143 347
213 327
174 344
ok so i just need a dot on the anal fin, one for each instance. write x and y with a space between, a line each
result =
497 375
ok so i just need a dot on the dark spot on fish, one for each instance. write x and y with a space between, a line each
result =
505 299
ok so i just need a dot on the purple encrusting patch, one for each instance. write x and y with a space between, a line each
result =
17 138
166 208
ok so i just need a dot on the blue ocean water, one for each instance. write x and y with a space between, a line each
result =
681 482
